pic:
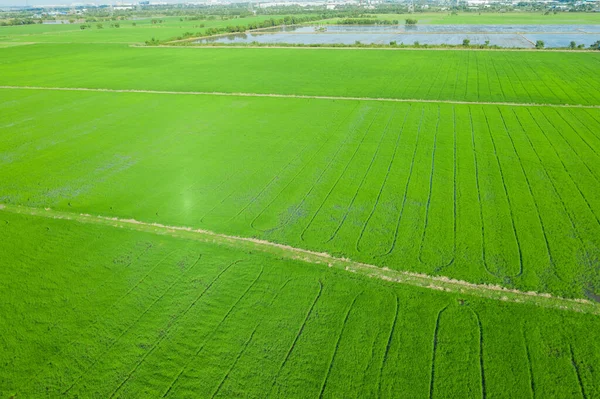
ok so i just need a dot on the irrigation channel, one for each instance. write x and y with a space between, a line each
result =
509 36
441 283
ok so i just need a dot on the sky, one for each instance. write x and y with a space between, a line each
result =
7 3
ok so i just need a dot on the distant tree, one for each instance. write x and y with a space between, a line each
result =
539 44
117 25
82 27
133 24
595 46
99 26
466 42
393 43
410 21
487 43
572 45
416 43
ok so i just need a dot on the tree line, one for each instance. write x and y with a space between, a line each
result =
367 21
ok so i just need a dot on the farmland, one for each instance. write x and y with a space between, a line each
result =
498 18
129 31
487 193
142 29
498 76
148 315
208 222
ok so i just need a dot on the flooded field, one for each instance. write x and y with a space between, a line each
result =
517 36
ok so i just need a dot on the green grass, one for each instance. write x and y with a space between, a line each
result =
7 44
481 193
134 314
524 77
484 193
144 30
495 18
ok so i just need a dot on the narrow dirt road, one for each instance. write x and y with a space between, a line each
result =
203 93
441 283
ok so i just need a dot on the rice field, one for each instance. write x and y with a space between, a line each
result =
435 189
506 36
495 194
498 18
494 76
136 31
154 316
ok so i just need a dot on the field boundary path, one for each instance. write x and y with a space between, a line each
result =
441 283
348 47
299 96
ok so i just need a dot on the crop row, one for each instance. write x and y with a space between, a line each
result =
495 76
482 193
196 319
428 193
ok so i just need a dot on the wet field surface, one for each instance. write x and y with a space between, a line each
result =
513 36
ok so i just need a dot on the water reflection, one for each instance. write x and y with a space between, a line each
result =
518 36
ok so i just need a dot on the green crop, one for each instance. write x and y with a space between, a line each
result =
410 168
497 18
95 311
170 28
496 76
483 193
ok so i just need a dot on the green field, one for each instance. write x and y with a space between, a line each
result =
460 180
498 76
143 30
493 194
126 314
497 18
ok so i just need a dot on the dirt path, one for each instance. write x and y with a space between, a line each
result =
251 244
274 46
205 93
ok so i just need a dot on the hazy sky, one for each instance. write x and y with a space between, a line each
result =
4 3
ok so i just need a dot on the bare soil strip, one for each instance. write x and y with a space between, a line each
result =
440 283
300 96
